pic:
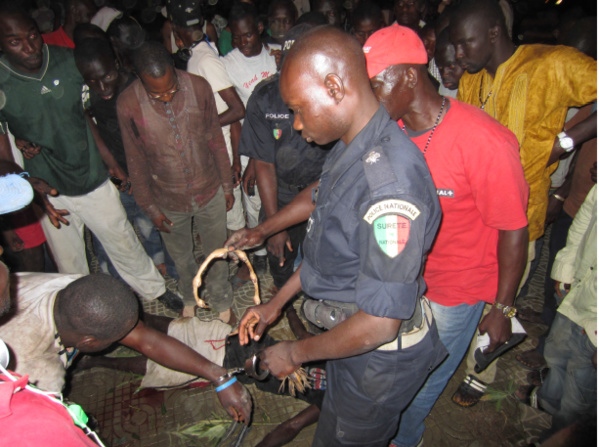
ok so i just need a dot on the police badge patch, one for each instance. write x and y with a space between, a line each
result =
391 233
277 133
390 220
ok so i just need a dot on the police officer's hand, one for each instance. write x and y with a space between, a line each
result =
278 359
245 239
498 326
255 320
276 245
237 401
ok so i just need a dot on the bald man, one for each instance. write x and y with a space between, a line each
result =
372 218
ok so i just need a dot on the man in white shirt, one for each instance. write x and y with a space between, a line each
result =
249 63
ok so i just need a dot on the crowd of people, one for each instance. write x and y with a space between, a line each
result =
397 162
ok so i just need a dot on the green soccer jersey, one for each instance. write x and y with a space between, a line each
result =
46 109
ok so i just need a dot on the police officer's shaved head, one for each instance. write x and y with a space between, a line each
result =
324 81
338 55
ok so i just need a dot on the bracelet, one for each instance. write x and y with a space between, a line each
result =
560 198
226 384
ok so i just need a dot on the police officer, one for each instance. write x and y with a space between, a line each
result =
285 163
374 216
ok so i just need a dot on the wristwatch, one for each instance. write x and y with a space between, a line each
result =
565 142
508 311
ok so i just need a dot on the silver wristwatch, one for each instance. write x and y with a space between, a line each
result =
565 142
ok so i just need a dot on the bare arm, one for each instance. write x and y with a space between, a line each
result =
266 177
173 354
113 167
357 335
297 211
236 163
236 110
512 257
5 149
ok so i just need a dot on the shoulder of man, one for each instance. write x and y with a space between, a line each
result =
395 164
267 87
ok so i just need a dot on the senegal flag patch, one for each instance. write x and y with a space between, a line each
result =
391 233
277 133
391 220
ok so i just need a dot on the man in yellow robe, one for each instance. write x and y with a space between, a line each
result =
529 90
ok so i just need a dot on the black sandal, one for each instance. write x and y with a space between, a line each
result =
469 392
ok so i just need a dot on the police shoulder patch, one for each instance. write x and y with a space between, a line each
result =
391 233
390 220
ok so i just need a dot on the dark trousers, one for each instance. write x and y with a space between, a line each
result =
367 393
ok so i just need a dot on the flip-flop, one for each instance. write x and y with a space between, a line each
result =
528 395
469 392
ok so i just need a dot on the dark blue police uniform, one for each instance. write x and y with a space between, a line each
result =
268 135
376 216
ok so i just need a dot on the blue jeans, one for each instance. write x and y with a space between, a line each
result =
150 239
456 326
569 393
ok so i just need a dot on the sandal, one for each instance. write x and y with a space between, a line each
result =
537 377
469 392
531 360
528 395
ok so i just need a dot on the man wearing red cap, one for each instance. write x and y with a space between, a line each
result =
480 250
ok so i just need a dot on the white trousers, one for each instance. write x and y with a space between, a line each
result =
102 212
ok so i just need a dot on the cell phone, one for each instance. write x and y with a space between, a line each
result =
251 191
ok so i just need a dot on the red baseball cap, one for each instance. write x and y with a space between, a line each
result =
393 45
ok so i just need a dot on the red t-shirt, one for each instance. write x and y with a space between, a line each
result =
475 165
28 419
58 38
28 228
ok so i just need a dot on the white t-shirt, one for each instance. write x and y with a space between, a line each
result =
30 332
206 63
247 72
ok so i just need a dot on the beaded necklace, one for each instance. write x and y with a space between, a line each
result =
434 127
480 91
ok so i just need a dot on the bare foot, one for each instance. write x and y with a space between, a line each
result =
188 311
